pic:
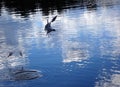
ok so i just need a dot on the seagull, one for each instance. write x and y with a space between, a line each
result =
48 27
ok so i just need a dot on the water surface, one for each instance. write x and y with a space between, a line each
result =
83 52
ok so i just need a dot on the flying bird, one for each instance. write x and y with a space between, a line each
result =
48 27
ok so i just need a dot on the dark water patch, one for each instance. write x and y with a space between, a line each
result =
25 7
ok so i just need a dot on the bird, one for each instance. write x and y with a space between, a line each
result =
48 27
11 53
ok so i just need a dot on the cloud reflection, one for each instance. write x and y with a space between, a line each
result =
95 35
16 38
11 41
82 33
112 81
74 52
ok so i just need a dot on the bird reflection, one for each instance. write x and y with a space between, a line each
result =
11 53
48 27
21 53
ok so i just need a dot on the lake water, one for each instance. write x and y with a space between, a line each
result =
84 51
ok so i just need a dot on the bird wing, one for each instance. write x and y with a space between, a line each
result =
54 19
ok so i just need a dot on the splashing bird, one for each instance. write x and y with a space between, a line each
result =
48 27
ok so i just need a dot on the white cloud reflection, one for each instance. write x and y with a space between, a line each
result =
112 81
11 41
94 23
100 25
16 37
74 51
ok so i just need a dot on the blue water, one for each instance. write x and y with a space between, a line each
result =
84 51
